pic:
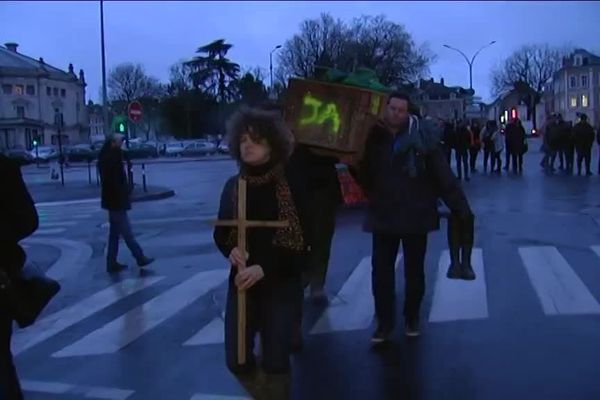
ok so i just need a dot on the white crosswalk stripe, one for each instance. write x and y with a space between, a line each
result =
558 287
548 274
125 329
55 219
455 299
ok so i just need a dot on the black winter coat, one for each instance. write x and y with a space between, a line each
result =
583 136
277 263
18 216
401 204
115 190
515 138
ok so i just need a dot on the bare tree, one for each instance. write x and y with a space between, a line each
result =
534 64
369 41
180 78
128 82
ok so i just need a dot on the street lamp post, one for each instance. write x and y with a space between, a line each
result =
104 94
271 66
59 123
470 62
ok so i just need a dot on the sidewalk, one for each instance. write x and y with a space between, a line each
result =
45 192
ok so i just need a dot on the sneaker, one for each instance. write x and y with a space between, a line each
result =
412 327
115 267
381 335
145 261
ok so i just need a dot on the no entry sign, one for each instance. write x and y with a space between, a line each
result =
135 111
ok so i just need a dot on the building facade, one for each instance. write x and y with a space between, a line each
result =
440 101
575 88
33 95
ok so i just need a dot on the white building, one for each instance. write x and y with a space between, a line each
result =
32 94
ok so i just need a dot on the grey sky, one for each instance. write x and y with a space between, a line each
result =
157 34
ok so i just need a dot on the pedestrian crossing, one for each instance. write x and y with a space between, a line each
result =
56 219
556 283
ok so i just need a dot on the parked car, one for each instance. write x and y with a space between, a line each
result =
21 156
223 148
141 150
199 148
44 154
174 149
81 152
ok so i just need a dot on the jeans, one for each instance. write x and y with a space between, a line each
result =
10 388
120 227
385 250
462 160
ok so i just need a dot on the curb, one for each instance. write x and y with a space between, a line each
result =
153 196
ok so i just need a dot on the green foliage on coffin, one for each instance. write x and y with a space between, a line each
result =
363 77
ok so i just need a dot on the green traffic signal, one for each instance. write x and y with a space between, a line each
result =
35 143
121 127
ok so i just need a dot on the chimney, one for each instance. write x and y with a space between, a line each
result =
41 60
71 69
442 81
11 46
81 76
431 80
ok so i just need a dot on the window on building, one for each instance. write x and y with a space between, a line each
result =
6 89
577 61
19 90
48 91
584 100
585 61
30 90
584 80
573 81
573 102
55 91
63 92
20 112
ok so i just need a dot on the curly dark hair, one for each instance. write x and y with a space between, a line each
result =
264 123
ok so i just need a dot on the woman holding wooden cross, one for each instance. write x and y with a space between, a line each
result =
260 230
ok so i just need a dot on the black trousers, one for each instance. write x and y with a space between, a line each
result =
497 161
462 163
10 388
507 153
385 250
584 156
473 158
270 312
517 162
488 157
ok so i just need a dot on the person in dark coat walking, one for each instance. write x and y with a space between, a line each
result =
515 138
567 129
461 147
448 137
18 220
583 136
115 199
403 173
488 145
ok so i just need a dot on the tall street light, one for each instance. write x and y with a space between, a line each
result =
271 66
470 62
104 95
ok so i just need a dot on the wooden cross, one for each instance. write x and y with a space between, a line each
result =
241 223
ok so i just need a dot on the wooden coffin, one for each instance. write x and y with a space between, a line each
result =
332 118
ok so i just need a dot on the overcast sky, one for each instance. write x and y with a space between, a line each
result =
157 34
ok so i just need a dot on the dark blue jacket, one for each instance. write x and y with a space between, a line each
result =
115 190
403 199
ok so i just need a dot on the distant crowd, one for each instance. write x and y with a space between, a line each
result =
570 144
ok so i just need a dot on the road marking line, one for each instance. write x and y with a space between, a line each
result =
69 316
49 231
456 299
123 330
353 309
66 203
557 285
92 392
211 333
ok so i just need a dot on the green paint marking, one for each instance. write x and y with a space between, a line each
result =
319 113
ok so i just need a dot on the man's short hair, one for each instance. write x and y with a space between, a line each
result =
398 95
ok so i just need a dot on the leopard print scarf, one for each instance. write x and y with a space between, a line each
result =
289 237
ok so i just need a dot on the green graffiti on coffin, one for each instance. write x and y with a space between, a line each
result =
318 112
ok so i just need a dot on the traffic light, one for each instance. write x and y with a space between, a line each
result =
35 143
121 128
119 125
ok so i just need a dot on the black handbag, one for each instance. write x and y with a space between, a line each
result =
28 294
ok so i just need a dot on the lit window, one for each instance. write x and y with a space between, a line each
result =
584 80
573 81
573 101
18 90
584 100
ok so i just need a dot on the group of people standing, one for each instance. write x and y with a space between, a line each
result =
562 140
468 140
